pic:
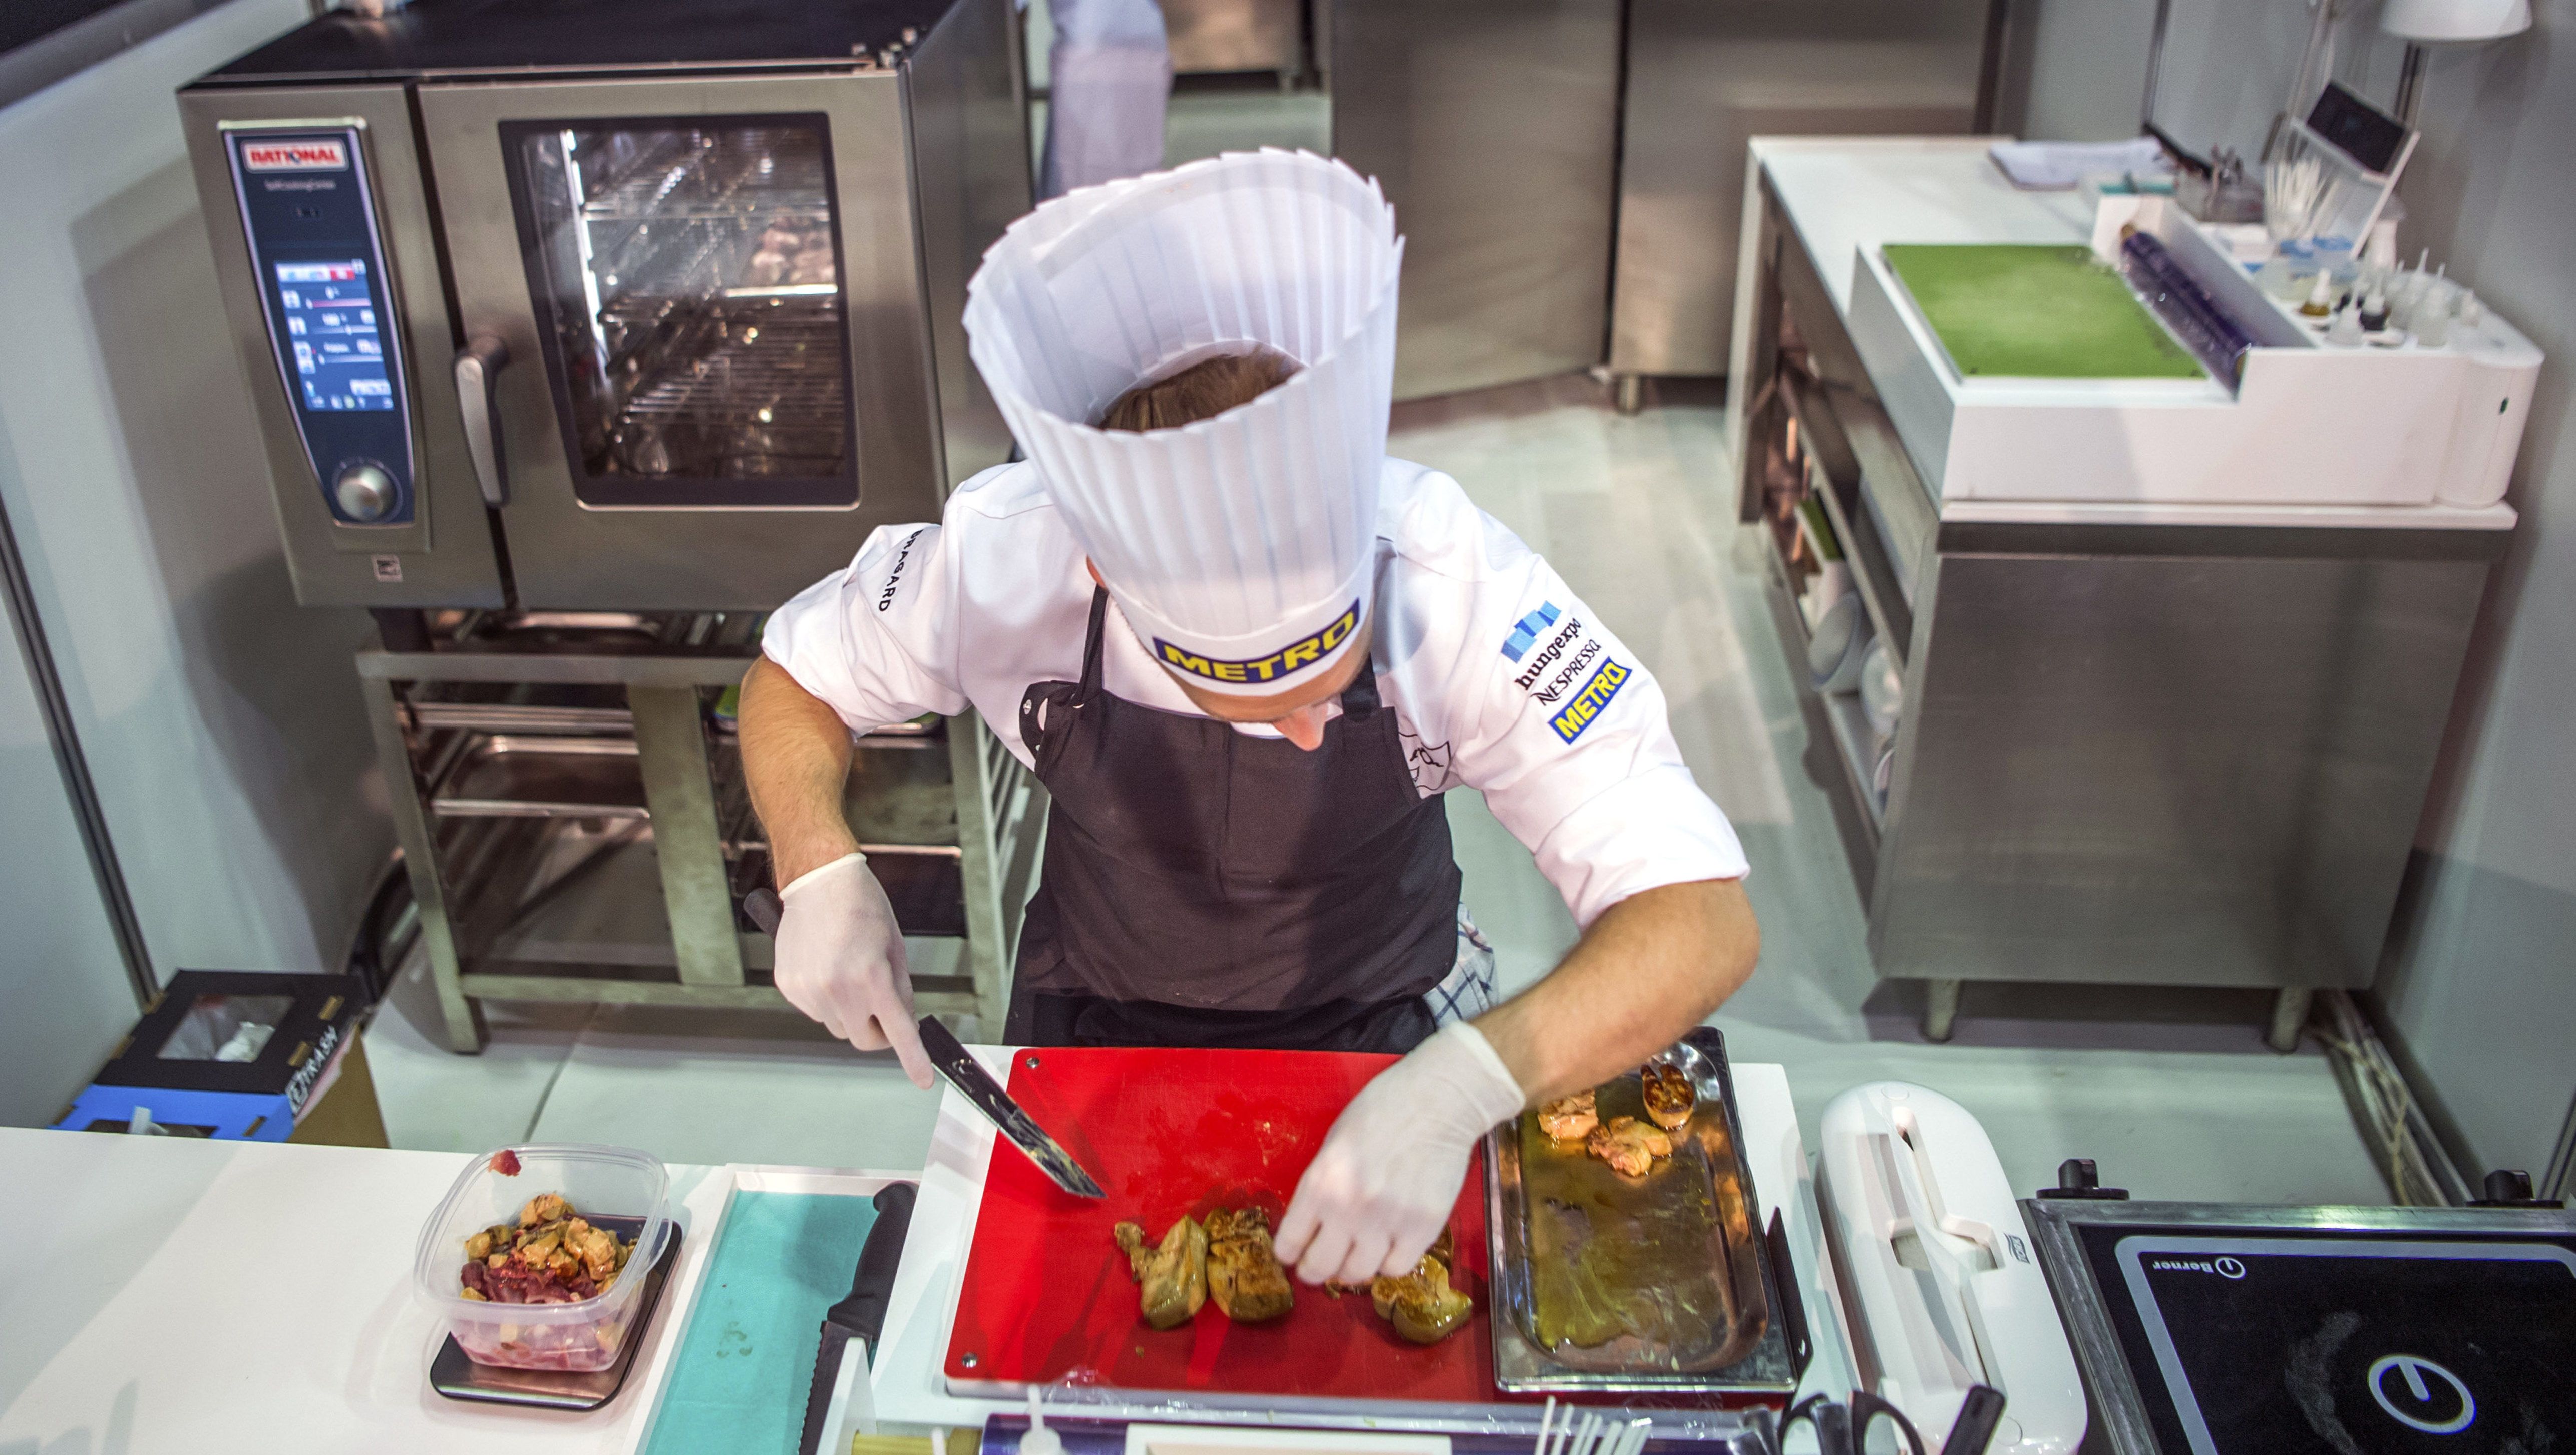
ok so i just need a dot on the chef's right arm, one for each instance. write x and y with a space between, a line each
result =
849 654
1513 687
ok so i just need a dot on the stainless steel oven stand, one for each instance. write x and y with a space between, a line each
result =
575 827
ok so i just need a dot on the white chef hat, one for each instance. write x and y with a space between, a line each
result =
1242 547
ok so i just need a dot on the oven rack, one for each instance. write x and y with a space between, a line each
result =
791 365
723 178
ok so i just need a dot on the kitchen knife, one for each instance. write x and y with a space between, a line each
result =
969 1076
860 1317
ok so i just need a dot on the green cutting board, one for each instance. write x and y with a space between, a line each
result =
746 1359
2036 311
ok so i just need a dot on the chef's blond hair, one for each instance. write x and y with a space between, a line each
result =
1204 390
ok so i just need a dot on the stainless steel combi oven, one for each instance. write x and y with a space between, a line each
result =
642 305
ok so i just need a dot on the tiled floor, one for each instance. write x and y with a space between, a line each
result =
2174 1094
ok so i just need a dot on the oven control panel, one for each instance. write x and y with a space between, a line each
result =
311 218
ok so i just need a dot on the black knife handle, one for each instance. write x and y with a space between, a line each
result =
1979 1414
763 906
862 1315
872 1291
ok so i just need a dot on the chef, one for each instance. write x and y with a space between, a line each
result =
1109 78
1247 654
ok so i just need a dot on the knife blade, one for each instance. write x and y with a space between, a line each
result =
970 1078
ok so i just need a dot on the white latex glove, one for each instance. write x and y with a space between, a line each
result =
1376 1196
840 960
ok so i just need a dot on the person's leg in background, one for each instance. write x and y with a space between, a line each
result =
1109 75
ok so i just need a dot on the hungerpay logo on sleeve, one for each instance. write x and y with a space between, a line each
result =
1588 705
1526 630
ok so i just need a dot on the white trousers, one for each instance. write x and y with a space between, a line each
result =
1109 75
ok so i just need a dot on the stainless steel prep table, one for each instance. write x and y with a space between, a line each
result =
2177 744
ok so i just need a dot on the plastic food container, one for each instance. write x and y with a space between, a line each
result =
617 1188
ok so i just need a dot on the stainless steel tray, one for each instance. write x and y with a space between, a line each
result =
1711 1272
500 775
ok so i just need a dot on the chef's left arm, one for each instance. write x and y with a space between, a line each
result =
1653 966
1554 719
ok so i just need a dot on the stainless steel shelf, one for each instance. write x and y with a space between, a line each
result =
504 776
1840 712
518 717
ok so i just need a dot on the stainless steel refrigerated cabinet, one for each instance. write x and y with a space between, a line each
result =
1707 76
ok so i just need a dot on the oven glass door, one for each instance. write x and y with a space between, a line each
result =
687 278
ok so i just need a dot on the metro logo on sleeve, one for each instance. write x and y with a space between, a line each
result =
1591 702
310 154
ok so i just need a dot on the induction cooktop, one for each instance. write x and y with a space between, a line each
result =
2211 1330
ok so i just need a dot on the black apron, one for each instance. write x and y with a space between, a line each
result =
1207 888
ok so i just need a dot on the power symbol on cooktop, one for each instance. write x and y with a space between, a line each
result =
2230 1268
2418 1395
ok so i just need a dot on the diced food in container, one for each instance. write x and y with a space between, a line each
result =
537 1254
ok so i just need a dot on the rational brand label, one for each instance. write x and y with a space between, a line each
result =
315 154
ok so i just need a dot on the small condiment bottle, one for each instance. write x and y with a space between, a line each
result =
2345 331
2374 313
2321 298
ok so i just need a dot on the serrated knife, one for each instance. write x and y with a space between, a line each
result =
839 1380
971 1080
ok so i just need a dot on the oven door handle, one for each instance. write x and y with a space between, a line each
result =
478 383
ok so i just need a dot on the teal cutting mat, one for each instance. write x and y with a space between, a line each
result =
2036 311
747 1357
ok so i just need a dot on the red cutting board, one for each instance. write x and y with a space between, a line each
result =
1047 1294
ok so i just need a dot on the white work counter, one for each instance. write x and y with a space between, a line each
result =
170 1294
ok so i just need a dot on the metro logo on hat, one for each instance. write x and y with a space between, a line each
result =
1277 667
1241 548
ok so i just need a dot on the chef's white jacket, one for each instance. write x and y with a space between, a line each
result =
1500 678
